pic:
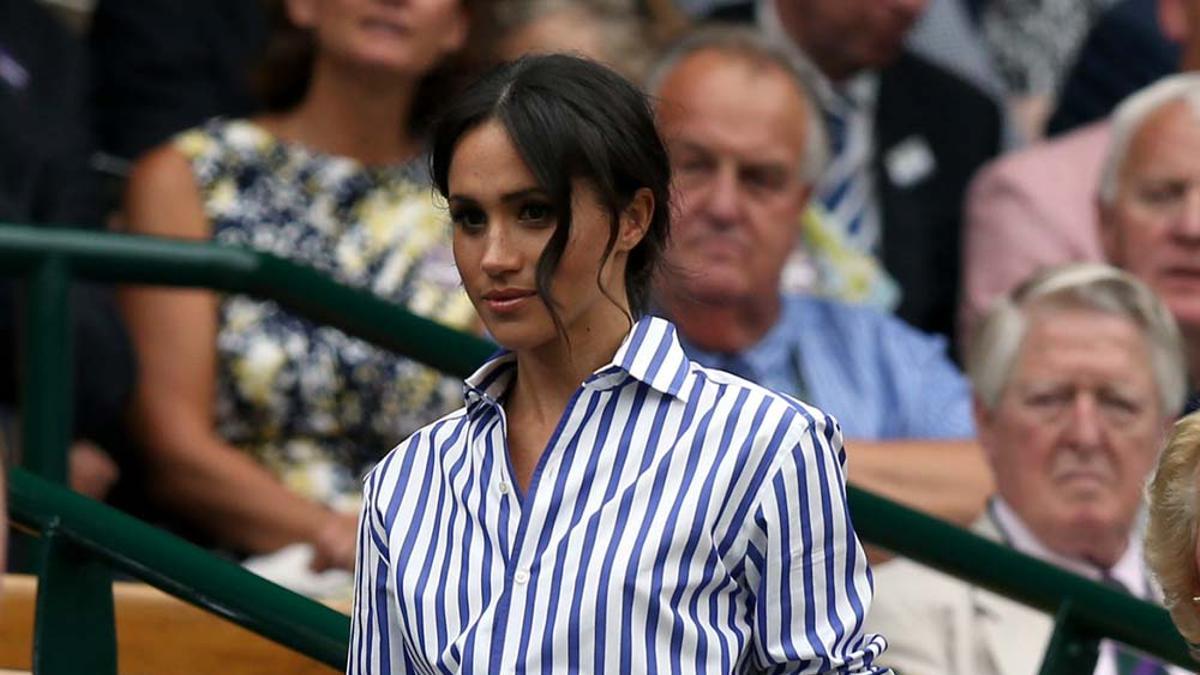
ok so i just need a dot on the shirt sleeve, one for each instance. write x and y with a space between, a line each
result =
806 567
375 636
931 391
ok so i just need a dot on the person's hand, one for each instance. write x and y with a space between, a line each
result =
334 542
91 472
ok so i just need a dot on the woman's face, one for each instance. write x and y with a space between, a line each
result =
402 37
502 223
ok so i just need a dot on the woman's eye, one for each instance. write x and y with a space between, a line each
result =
468 219
535 212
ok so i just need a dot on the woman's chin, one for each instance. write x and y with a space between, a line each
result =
518 337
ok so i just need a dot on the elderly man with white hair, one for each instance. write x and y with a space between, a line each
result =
1078 374
1150 200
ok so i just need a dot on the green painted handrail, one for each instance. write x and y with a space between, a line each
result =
1095 609
179 568
1086 610
129 259
76 534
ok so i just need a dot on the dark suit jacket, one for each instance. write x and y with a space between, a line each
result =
163 66
44 140
1124 51
920 104
922 222
45 179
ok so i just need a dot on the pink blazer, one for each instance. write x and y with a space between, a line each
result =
1028 210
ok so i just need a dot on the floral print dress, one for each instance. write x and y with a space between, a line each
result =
314 405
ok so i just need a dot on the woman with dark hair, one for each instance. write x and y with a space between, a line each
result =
601 504
257 425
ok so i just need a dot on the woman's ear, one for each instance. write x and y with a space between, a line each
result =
635 220
459 26
302 13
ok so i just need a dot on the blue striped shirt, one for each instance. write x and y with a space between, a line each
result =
680 520
884 379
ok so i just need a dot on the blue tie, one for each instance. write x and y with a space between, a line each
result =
844 188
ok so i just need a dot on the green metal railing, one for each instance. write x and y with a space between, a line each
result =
1085 611
81 541
84 539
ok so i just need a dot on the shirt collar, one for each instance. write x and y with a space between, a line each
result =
1128 570
650 354
491 380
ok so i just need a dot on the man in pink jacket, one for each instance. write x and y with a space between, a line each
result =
1036 208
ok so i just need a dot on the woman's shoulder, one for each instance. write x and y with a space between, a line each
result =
222 143
161 196
745 399
446 429
222 133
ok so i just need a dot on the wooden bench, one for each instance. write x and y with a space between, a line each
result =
156 633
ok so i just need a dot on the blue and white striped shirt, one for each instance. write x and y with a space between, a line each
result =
680 520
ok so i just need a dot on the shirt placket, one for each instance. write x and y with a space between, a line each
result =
532 510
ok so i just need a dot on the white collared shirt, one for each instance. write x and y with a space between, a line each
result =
680 518
1129 570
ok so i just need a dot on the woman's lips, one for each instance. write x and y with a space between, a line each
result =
508 300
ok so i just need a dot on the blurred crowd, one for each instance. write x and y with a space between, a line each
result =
968 229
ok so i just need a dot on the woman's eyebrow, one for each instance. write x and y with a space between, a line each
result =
522 194
506 198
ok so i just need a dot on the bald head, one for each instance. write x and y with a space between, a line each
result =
736 129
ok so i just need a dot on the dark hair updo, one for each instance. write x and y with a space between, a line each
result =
571 118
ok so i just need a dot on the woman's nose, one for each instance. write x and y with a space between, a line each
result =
500 257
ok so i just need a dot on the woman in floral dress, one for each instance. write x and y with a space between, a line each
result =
257 424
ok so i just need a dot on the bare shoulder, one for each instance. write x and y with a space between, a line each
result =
161 196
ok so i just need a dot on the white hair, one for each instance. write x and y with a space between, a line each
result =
739 42
1089 286
1132 113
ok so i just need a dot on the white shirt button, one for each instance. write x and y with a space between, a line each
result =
503 487
521 576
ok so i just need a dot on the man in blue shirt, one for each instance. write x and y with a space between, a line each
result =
745 149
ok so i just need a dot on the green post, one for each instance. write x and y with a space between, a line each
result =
74 630
1070 651
47 376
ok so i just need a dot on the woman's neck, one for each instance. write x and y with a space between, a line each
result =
548 376
353 113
